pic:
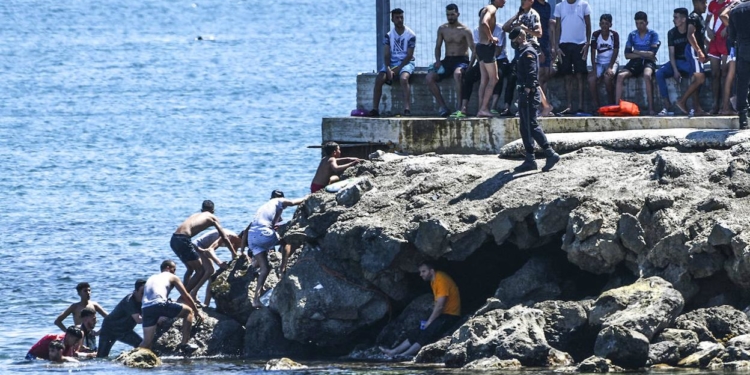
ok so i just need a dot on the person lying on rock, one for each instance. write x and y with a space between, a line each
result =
155 306
260 236
445 312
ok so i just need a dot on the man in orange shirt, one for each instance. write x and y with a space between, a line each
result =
446 312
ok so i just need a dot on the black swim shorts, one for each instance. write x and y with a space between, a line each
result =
183 248
637 66
486 53
151 313
451 63
572 59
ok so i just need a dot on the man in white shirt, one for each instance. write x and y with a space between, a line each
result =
573 34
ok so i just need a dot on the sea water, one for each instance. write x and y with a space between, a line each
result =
117 121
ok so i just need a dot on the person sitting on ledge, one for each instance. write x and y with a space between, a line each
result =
446 312
640 49
329 167
399 61
458 40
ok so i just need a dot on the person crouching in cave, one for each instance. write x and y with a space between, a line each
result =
446 312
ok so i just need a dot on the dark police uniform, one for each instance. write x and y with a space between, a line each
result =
740 15
527 75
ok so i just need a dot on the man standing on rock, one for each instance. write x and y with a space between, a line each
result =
529 97
118 325
155 305
446 312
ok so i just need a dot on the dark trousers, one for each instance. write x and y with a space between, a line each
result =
474 75
743 78
529 126
107 340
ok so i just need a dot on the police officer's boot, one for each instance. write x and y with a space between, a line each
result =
529 164
552 159
743 120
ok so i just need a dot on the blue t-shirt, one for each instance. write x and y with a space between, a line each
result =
649 42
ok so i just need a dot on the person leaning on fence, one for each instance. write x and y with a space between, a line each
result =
399 61
458 41
529 97
640 48
740 15
605 48
573 18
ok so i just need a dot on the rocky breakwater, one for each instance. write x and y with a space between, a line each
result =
615 259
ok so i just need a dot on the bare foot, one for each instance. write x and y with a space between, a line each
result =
385 351
727 112
546 111
682 107
700 113
485 114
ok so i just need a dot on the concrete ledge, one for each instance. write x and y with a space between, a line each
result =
424 104
415 135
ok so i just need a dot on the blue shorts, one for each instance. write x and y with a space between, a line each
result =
261 239
151 313
183 248
408 68
694 66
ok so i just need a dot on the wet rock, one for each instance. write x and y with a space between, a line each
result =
264 337
737 349
707 351
538 280
565 325
624 347
433 353
139 358
218 334
715 324
492 364
407 323
647 306
596 364
517 333
686 341
664 352
283 364
737 365
558 358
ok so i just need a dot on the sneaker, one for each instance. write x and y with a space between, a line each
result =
691 114
373 113
458 114
444 112
552 159
663 112
187 348
527 165
743 120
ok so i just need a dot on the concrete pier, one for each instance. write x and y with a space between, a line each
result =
486 136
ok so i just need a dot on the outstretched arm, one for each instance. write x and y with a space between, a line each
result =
175 281
223 235
338 168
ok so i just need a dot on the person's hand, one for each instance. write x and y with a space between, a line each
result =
388 75
724 33
223 265
677 77
437 66
609 72
553 52
560 53
701 57
494 40
585 52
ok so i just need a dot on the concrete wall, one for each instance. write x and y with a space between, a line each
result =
486 136
423 103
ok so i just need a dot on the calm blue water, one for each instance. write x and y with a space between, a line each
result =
115 123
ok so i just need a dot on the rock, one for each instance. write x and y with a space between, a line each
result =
433 353
591 239
432 238
686 341
715 324
647 306
407 323
664 352
517 333
721 234
139 358
737 349
350 195
658 201
494 304
707 351
737 365
624 347
264 337
283 364
557 358
565 326
217 335
538 280
631 233
597 364
493 364
233 289
319 305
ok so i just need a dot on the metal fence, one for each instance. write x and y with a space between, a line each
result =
424 17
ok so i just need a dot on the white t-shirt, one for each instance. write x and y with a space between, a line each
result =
572 22
208 238
400 44
605 48
266 213
500 35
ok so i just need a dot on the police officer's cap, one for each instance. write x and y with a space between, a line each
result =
514 33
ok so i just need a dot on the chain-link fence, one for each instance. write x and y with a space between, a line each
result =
424 17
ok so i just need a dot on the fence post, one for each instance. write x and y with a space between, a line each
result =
382 10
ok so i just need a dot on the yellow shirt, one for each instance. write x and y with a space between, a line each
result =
443 286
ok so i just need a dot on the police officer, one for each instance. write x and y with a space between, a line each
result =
740 15
529 97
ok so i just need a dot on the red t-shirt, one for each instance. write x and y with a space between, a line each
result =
41 348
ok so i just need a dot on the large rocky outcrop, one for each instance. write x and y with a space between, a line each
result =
715 324
218 334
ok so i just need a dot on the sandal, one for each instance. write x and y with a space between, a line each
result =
505 113
458 114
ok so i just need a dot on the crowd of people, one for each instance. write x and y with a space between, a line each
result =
194 242
564 43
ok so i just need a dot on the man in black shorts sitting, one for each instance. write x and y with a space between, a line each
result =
640 49
458 40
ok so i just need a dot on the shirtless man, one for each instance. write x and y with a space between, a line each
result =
84 291
485 50
329 167
184 248
458 40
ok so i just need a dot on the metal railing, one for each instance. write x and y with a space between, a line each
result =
424 17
